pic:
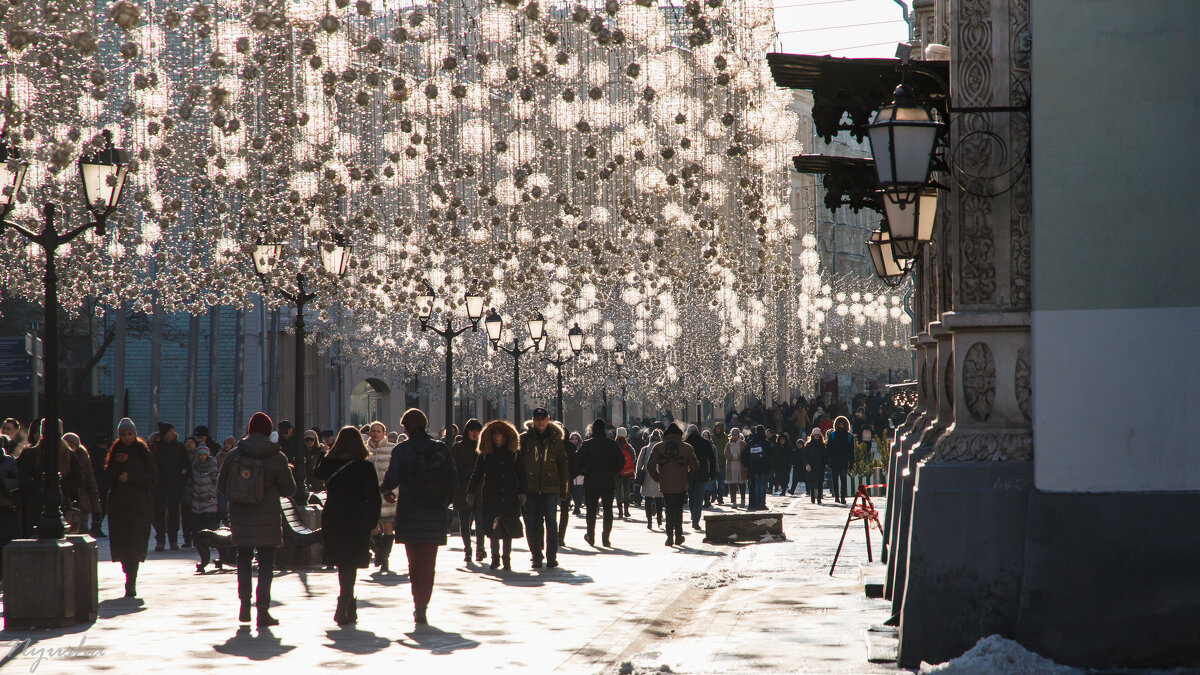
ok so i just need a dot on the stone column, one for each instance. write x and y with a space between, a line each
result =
970 499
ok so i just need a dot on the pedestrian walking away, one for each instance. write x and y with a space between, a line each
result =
351 516
651 492
254 476
706 459
756 456
814 466
547 480
673 464
423 477
600 462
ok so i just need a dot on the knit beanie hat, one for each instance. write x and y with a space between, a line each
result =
164 427
260 423
203 450
622 432
126 424
673 428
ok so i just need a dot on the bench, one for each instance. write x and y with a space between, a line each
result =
295 530
297 538
726 528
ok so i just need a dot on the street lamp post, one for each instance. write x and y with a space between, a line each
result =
537 326
424 311
620 360
103 174
575 339
335 258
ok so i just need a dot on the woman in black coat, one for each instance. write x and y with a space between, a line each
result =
499 479
814 464
352 504
132 473
839 447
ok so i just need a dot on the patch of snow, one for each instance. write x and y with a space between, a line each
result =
771 538
994 654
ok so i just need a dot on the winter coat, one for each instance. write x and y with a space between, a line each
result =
499 478
130 504
706 456
735 471
259 524
352 505
650 487
465 453
416 524
673 464
204 486
600 460
547 471
10 484
81 490
381 458
814 456
839 449
796 455
757 455
173 469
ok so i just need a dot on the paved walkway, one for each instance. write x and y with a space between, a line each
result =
767 607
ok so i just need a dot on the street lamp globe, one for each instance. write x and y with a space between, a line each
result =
537 327
902 138
265 255
474 309
103 176
335 257
910 219
11 178
493 324
575 338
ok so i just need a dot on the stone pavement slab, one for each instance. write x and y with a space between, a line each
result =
764 607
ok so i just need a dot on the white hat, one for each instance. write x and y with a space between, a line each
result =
622 432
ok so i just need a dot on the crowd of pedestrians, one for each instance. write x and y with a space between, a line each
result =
381 488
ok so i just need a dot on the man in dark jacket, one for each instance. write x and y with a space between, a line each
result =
757 458
173 471
465 453
600 460
547 479
292 443
674 465
707 463
564 505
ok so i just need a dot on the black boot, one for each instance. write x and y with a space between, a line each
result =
385 552
265 619
339 615
244 612
352 610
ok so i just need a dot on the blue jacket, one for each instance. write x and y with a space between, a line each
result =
416 524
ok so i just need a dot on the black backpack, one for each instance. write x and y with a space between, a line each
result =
432 476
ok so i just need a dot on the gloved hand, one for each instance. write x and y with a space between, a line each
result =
521 500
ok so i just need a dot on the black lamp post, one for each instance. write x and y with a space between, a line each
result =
575 339
103 174
335 258
620 361
537 325
424 311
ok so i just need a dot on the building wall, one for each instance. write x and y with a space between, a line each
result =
1116 295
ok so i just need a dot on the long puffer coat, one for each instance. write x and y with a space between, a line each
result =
416 524
130 503
499 478
352 505
259 524
650 487
735 471
204 485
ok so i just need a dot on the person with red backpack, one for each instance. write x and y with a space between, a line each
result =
625 479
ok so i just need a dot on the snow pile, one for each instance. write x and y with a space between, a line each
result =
771 538
994 654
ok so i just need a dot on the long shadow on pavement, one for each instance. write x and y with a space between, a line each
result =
256 647
389 579
598 550
355 641
114 607
436 641
527 579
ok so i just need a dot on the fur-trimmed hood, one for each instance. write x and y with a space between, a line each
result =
485 437
554 430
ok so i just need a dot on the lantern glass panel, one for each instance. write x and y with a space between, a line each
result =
494 324
266 256
474 307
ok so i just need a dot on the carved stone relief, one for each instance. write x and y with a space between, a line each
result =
979 381
984 447
1024 384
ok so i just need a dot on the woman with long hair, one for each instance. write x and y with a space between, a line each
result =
839 449
132 473
814 465
352 505
651 492
499 480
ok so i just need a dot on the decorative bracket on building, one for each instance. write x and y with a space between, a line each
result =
848 181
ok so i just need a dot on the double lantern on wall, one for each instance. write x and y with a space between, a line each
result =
903 137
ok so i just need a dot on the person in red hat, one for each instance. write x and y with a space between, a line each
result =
253 478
